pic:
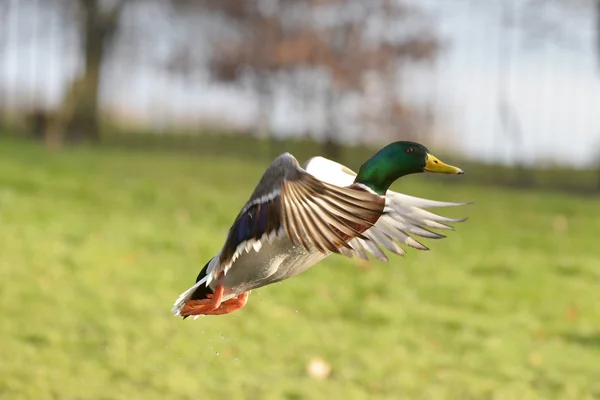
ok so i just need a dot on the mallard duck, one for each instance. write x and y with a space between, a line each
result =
297 216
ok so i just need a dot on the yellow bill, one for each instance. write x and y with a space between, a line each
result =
438 167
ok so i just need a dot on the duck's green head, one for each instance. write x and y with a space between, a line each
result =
399 159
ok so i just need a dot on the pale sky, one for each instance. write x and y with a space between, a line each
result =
554 87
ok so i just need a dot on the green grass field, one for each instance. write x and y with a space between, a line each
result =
97 244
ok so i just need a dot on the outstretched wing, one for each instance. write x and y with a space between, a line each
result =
404 220
404 217
312 213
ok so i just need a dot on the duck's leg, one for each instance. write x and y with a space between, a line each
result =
204 306
231 305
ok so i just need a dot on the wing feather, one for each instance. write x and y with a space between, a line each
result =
324 228
316 215
372 247
326 211
406 216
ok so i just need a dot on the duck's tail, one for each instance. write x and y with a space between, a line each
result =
196 292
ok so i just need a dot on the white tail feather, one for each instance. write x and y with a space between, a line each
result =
185 296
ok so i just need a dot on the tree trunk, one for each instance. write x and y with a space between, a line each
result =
598 54
78 117
97 31
331 147
62 119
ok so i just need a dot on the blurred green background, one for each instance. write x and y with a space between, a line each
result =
132 132
98 242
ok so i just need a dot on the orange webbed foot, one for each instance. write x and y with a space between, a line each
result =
231 305
204 306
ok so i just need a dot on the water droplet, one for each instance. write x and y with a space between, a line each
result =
236 359
217 353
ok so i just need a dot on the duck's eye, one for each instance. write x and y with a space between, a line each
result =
410 150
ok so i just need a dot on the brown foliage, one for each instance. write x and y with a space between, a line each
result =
289 37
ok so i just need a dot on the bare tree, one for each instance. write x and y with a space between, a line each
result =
598 55
4 38
273 45
265 45
78 116
510 123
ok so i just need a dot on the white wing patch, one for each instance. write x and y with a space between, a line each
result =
263 199
329 171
